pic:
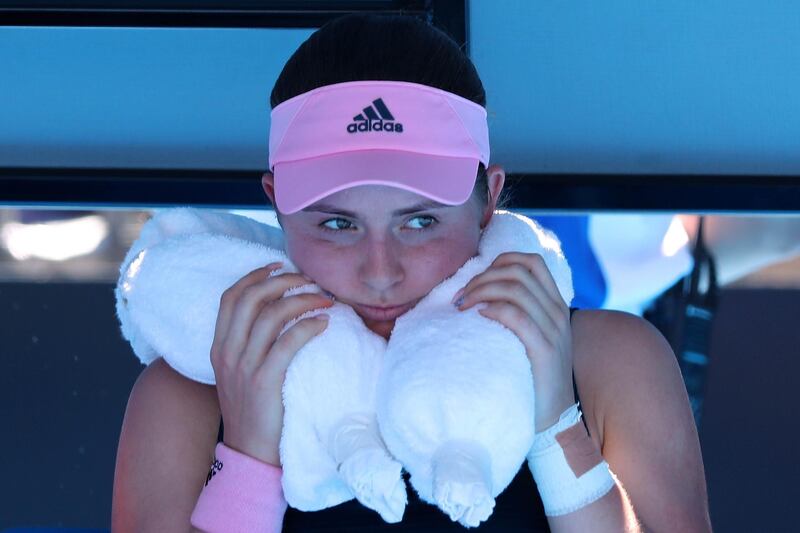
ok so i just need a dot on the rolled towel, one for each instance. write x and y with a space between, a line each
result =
455 397
167 301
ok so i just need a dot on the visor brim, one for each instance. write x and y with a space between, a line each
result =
448 180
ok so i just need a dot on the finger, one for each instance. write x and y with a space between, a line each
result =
514 271
527 310
266 330
536 267
252 300
259 275
529 333
289 343
229 298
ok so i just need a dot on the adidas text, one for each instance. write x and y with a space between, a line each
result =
374 125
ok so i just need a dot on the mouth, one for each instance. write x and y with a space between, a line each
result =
384 313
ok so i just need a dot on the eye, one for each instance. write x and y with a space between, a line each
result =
337 226
431 221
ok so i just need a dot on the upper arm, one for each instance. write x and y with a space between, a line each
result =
165 449
650 438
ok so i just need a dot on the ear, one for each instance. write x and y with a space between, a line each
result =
496 178
268 184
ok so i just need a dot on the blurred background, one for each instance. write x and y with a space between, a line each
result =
621 126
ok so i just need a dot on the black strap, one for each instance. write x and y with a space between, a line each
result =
575 385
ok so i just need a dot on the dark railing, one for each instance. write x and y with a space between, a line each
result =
446 14
239 189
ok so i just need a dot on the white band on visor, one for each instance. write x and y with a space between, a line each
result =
403 134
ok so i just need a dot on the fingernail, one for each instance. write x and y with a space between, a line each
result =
458 298
272 268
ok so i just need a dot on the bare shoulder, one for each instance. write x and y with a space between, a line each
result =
613 351
166 395
638 410
165 447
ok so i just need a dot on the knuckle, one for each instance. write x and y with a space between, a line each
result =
517 313
249 292
266 317
218 358
224 351
538 262
510 287
517 286
280 309
519 269
226 296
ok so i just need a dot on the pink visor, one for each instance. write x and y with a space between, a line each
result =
397 133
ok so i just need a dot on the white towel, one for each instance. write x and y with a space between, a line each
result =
331 449
456 397
168 295
173 276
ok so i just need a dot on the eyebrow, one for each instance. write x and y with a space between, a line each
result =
422 206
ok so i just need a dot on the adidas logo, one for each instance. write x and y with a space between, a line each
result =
375 117
215 467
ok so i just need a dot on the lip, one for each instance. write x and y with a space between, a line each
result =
384 313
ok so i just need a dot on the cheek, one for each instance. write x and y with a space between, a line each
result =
441 258
320 261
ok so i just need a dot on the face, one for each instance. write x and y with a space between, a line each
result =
361 247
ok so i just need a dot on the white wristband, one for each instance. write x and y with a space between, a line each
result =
568 469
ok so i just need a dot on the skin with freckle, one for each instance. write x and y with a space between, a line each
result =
377 259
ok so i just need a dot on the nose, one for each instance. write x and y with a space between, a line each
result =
381 268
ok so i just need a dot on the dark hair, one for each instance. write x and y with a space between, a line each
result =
367 46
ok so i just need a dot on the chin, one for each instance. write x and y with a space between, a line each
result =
383 328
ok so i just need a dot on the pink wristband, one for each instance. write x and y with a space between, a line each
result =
241 494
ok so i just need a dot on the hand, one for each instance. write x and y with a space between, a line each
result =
250 358
520 293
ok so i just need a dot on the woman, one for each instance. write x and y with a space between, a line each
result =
366 246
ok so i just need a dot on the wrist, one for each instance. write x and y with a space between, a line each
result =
263 452
242 493
552 416
567 466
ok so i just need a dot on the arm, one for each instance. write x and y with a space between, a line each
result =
649 438
165 450
743 244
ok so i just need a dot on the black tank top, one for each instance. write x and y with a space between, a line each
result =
517 509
